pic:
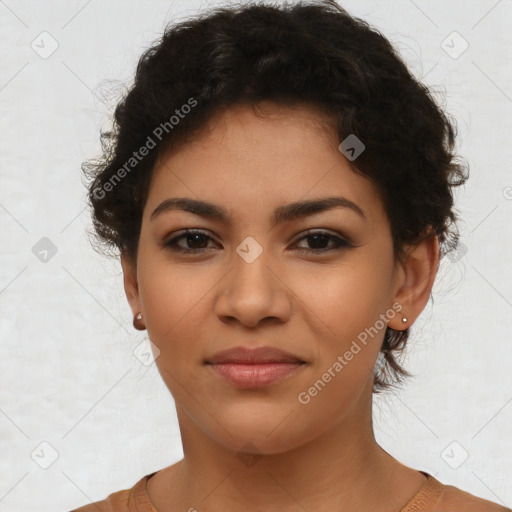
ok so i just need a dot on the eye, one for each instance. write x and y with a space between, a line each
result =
191 236
319 238
198 240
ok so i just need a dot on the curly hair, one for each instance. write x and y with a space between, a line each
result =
308 53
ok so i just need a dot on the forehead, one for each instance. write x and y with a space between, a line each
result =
249 158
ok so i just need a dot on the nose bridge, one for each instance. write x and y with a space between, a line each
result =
251 289
251 277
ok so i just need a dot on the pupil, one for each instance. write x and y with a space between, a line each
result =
316 237
195 237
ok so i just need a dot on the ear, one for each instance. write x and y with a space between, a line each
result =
414 280
131 287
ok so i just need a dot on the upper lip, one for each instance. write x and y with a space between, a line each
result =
259 355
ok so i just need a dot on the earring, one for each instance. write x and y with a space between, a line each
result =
404 320
136 323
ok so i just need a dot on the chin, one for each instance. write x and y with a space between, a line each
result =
262 431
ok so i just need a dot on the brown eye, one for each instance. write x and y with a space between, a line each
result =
319 239
196 240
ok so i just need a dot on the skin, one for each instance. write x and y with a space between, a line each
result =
319 456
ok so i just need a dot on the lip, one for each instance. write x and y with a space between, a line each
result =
259 355
254 368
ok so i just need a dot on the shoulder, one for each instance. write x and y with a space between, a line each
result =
125 500
115 502
453 499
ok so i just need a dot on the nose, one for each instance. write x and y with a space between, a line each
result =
253 292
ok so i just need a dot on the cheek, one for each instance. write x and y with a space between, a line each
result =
174 299
348 297
349 300
175 316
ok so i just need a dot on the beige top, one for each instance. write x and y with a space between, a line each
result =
432 497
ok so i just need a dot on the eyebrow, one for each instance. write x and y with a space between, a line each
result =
283 213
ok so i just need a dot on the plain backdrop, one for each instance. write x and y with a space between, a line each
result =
81 414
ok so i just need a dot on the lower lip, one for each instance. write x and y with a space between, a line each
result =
254 375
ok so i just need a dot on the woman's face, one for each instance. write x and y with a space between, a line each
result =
248 282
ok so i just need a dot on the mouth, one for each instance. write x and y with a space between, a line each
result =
254 368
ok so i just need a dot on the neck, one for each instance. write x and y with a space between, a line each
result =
342 469
331 470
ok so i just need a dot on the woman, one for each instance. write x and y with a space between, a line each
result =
279 188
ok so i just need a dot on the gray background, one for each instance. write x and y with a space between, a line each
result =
68 373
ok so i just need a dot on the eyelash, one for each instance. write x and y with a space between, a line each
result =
339 242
